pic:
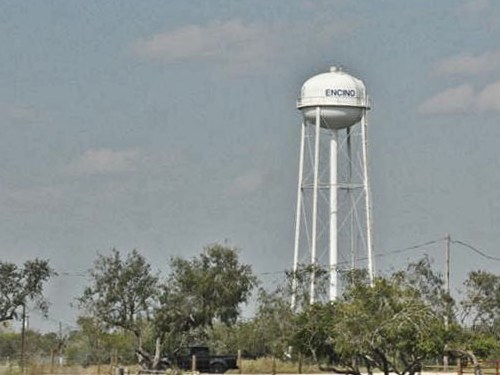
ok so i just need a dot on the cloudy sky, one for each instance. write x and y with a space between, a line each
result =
169 125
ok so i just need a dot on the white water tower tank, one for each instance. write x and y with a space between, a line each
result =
341 97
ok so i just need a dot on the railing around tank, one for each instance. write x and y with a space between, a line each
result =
313 101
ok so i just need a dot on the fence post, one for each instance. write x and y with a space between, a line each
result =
239 361
498 366
300 362
193 363
459 366
274 365
52 360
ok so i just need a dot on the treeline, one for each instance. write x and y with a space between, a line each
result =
399 322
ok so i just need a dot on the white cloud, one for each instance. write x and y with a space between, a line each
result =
216 41
489 98
247 183
469 64
105 161
454 100
238 45
463 99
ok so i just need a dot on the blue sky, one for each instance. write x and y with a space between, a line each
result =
169 125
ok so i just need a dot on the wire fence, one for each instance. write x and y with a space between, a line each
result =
49 369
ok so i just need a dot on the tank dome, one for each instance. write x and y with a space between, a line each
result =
340 96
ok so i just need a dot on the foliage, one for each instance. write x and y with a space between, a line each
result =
274 328
482 301
92 344
9 344
394 325
391 325
36 344
274 322
22 285
311 326
84 345
122 291
481 307
244 335
217 282
199 292
311 336
271 331
387 326
174 323
223 338
298 284
484 345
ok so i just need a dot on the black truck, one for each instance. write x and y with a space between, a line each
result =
205 362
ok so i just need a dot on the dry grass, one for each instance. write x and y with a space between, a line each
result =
265 366
258 366
45 369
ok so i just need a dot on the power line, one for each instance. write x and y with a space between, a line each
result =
73 274
476 250
380 255
384 254
413 247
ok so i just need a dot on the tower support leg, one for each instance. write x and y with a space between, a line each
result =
315 205
368 205
297 217
333 216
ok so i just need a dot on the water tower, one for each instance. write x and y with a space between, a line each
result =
333 219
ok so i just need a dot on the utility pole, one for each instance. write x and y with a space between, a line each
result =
60 346
447 270
447 291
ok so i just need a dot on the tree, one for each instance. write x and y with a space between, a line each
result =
203 290
430 286
277 327
481 307
312 336
122 291
298 284
274 322
93 344
482 301
22 285
388 326
9 344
